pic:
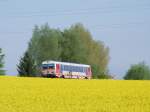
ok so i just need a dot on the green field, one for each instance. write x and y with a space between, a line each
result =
70 95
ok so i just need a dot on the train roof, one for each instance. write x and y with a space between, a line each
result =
65 63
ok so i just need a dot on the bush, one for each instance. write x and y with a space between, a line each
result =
2 72
139 71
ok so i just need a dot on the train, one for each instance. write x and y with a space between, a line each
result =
55 69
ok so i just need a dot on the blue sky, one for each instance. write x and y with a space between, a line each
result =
124 26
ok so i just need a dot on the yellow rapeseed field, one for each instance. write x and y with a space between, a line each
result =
70 95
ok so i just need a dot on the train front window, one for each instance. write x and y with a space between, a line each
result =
44 67
48 66
51 66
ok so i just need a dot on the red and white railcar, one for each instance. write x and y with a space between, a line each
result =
65 70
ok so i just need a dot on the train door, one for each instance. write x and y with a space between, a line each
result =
58 70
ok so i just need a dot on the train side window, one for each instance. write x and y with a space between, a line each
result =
71 68
62 68
74 68
84 69
65 68
79 69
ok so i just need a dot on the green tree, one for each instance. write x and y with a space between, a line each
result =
99 58
2 72
78 46
139 71
26 67
45 44
74 44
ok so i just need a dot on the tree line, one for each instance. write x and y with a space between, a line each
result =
74 44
